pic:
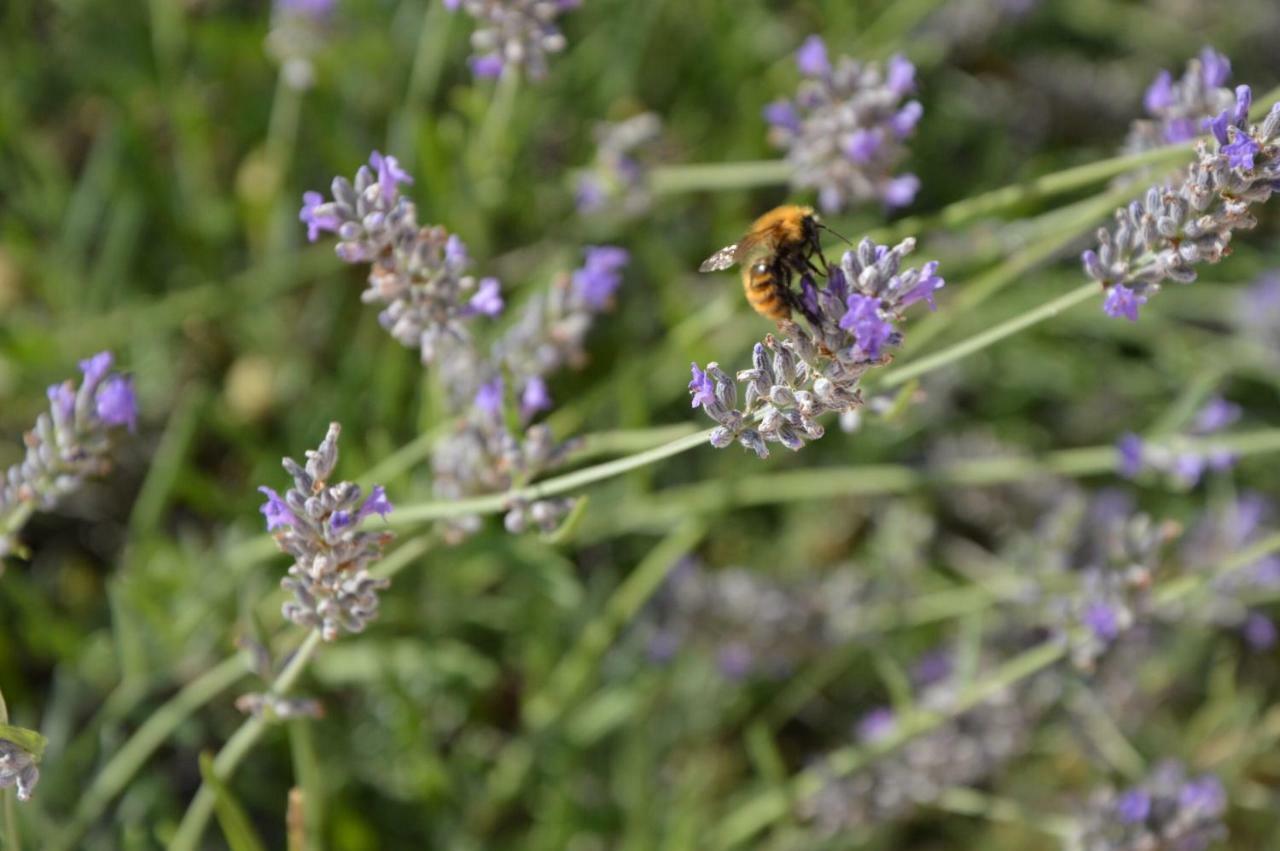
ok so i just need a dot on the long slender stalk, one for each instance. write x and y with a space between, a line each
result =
494 503
711 177
12 841
764 808
661 509
125 764
918 367
428 61
237 747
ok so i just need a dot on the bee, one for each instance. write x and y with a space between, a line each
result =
780 242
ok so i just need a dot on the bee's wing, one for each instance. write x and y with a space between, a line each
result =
722 259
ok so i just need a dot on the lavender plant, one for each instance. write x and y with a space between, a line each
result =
494 446
1257 314
845 131
418 272
298 30
1221 530
1167 810
71 442
1185 457
618 178
514 34
1179 226
755 625
1179 109
19 768
966 749
816 368
318 525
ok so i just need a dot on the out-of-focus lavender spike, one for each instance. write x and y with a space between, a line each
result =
70 443
513 33
846 129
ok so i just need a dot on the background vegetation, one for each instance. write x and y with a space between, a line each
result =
150 171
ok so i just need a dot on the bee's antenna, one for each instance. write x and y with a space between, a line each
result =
827 227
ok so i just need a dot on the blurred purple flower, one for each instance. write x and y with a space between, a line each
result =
734 660
487 67
1215 67
535 397
1260 631
781 113
489 397
901 190
811 58
876 725
488 297
1134 806
600 275
901 76
1123 302
116 402
1216 415
317 221
1160 93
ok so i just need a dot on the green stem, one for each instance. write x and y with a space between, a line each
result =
494 503
428 62
564 686
237 748
666 506
12 840
1067 226
764 808
711 177
125 764
918 367
966 210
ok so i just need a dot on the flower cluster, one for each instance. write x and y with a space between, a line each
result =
844 133
1220 533
318 524
1167 810
72 441
618 179
18 768
418 272
1177 227
1258 314
961 751
1092 568
514 33
816 368
298 30
1184 457
1179 109
483 454
755 625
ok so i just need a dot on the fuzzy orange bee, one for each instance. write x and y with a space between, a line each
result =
778 243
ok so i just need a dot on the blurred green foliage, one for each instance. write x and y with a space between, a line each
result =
150 171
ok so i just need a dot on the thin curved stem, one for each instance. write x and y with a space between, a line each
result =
761 810
125 764
12 839
711 177
903 374
494 503
237 747
660 510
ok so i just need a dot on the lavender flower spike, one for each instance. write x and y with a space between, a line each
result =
816 368
319 525
1166 810
514 33
844 133
71 442
618 178
1177 227
18 768
419 273
1178 109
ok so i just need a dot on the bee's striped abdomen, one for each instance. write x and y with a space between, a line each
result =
765 292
